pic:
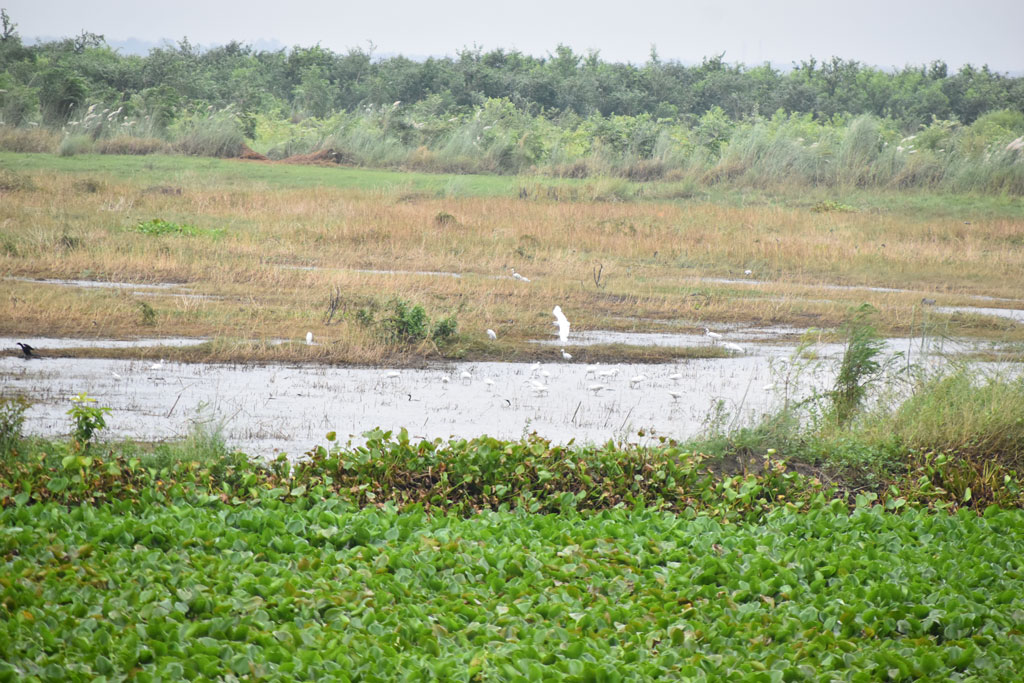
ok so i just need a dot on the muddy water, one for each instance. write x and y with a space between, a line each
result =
265 410
269 409
734 333
43 343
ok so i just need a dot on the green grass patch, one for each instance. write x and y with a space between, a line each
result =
159 226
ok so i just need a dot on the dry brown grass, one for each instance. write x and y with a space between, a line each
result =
29 140
653 257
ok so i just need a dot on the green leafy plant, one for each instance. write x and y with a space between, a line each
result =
832 206
88 419
406 323
409 324
159 226
445 329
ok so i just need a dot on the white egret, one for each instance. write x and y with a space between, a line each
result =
545 374
157 366
712 335
394 374
491 334
563 324
732 347
595 388
606 374
675 377
538 388
591 371
638 379
519 277
566 356
489 382
748 272
466 377
309 338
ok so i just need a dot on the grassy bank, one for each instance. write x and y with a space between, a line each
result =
263 252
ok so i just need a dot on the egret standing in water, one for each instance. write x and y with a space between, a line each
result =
563 324
566 356
714 336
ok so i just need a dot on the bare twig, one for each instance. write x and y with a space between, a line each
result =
333 302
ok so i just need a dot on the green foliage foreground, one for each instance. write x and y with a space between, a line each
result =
321 589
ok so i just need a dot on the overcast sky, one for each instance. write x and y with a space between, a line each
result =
889 33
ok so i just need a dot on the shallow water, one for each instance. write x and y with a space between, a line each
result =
1012 314
733 333
269 409
847 288
44 343
97 284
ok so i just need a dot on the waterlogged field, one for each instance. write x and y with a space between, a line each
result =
246 253
235 262
318 589
848 506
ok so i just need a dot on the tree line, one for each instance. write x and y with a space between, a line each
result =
48 82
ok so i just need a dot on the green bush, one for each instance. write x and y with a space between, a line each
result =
12 418
88 419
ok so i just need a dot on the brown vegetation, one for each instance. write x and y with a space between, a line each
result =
283 252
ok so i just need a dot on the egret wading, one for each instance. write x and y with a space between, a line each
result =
563 324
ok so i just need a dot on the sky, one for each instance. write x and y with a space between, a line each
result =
887 34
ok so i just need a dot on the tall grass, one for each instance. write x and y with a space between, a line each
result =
210 134
778 151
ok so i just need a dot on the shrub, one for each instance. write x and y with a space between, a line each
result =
147 314
860 365
32 140
14 182
406 323
12 418
131 145
88 419
445 329
75 144
217 135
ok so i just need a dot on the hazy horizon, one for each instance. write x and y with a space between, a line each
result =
882 34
